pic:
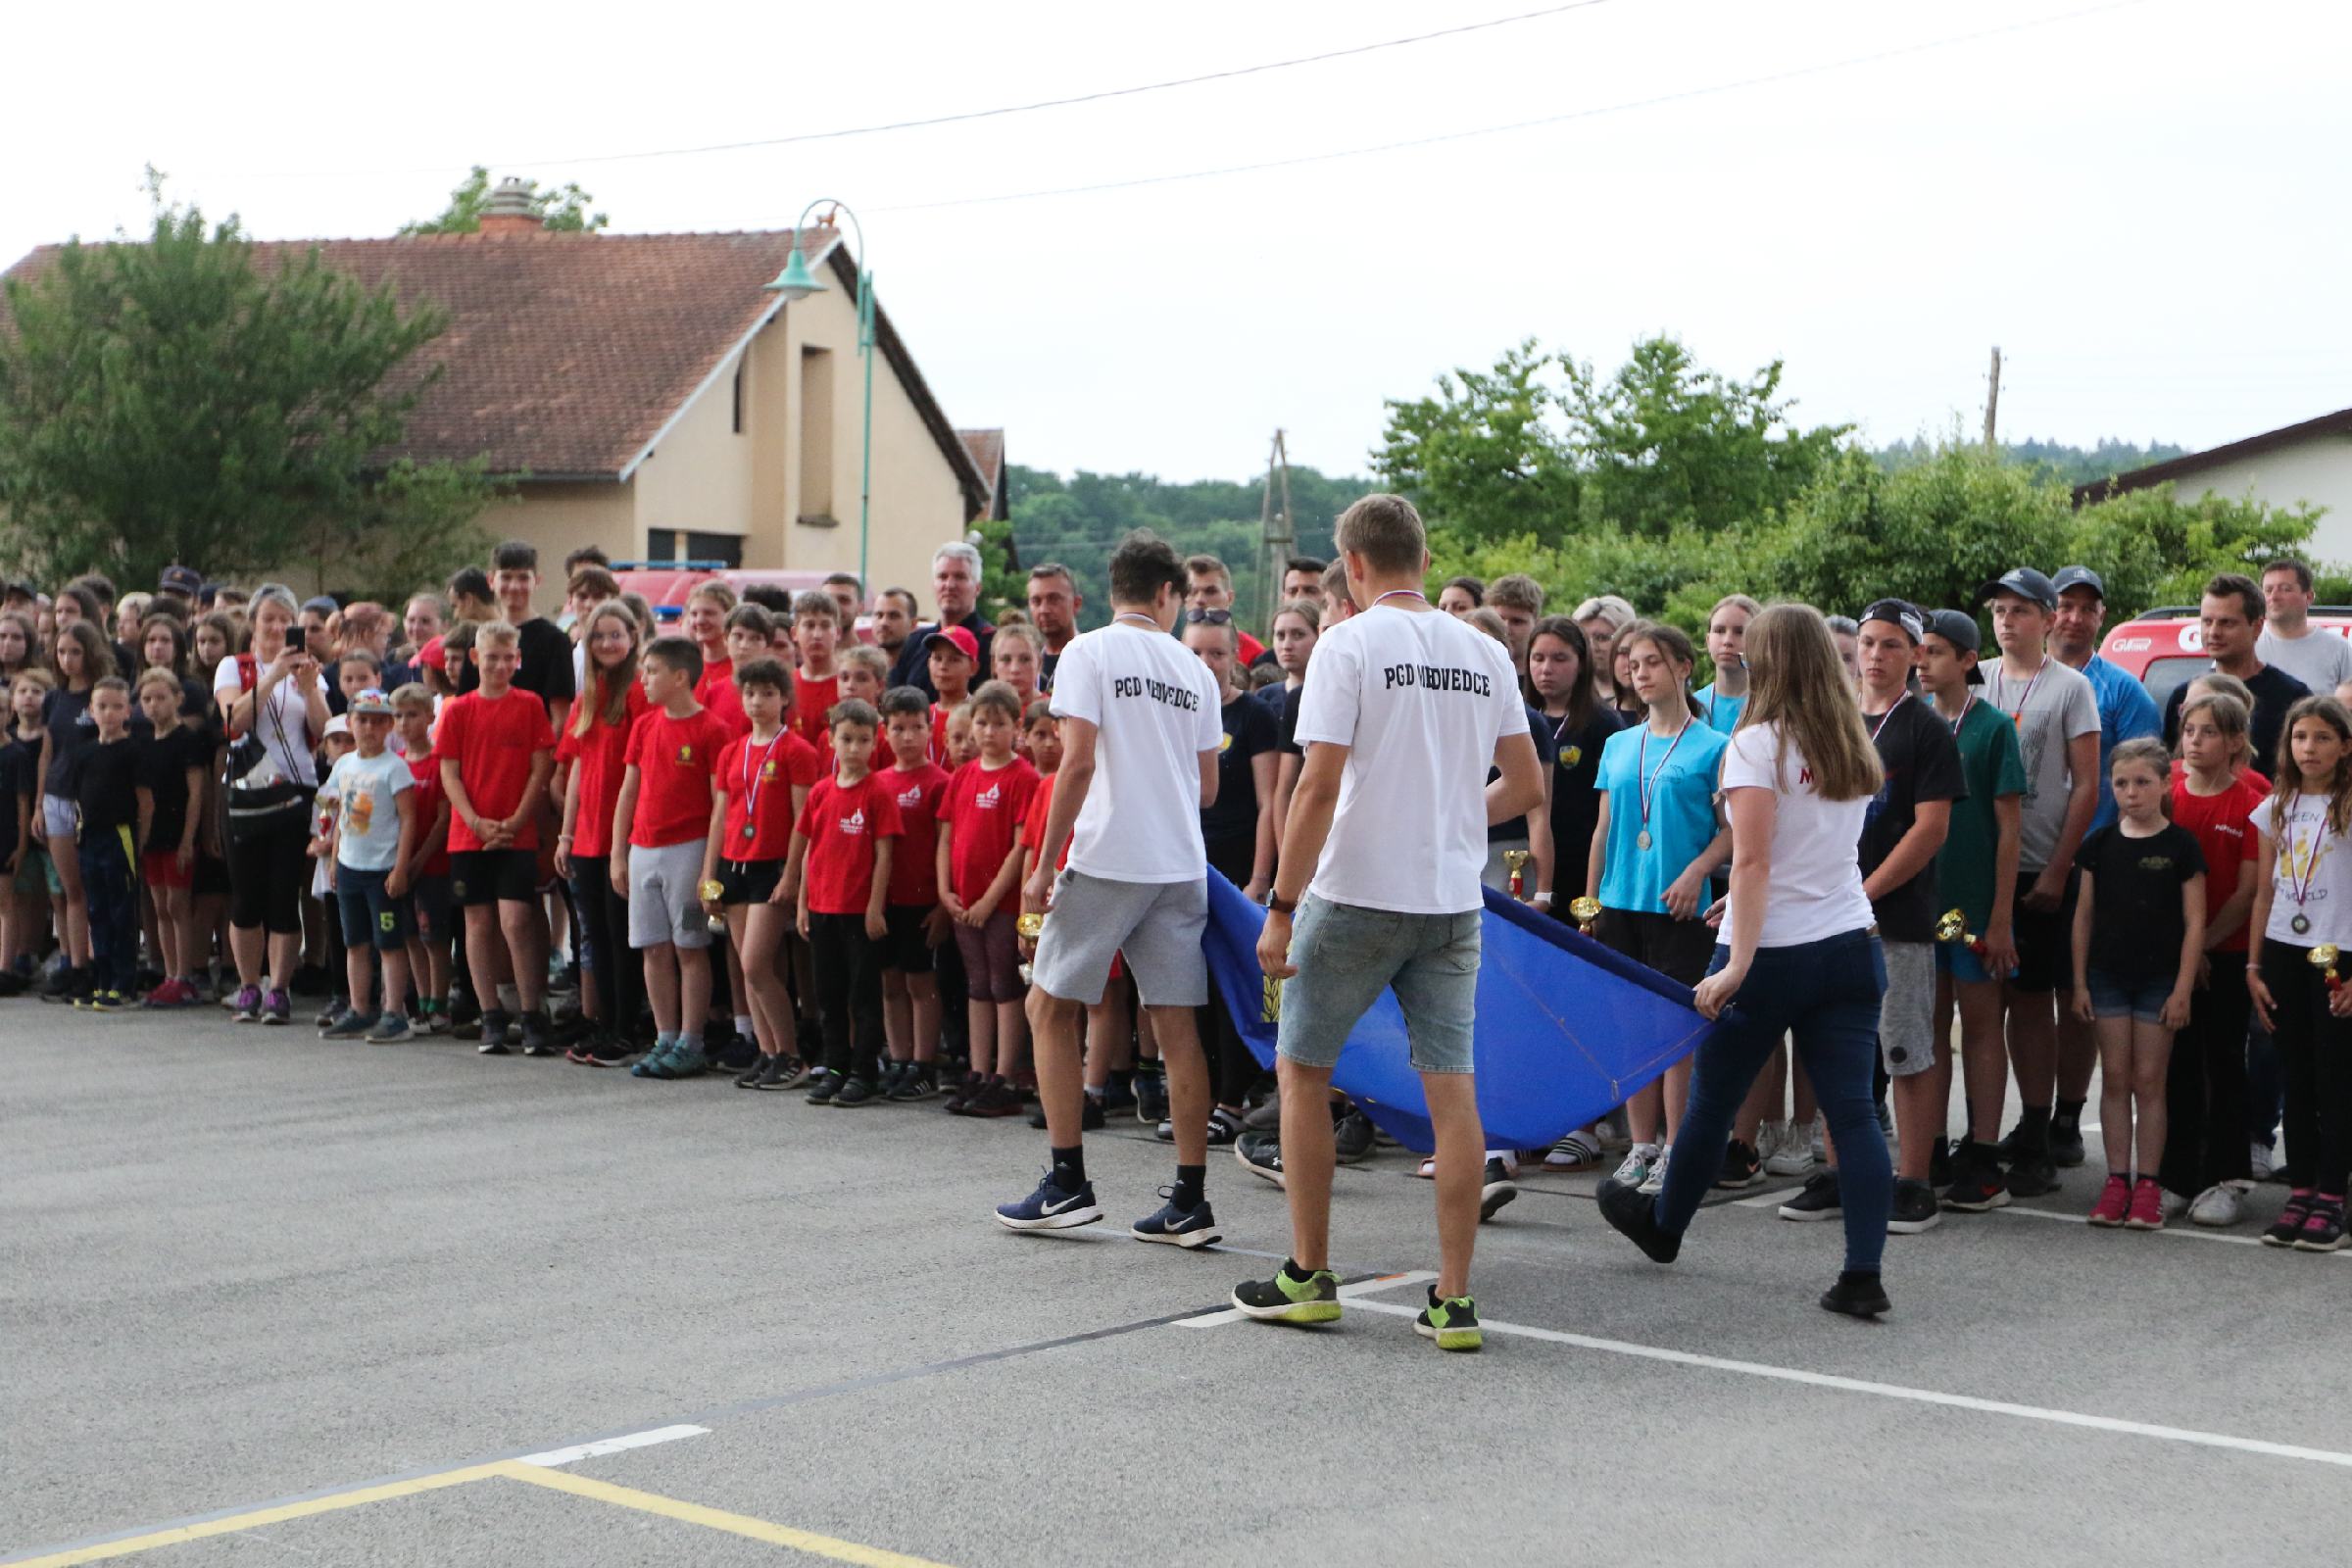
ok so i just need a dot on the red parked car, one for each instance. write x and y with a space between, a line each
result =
668 584
2164 647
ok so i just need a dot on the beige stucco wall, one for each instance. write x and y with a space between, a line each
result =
699 478
561 518
2318 470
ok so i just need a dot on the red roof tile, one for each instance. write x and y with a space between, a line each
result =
987 448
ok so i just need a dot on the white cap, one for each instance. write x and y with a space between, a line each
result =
338 725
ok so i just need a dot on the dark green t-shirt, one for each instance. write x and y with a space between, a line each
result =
1991 766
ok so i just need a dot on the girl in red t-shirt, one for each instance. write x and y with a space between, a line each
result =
596 735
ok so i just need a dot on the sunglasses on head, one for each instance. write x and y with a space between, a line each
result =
1208 617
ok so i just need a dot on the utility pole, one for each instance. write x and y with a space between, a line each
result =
1992 403
1276 533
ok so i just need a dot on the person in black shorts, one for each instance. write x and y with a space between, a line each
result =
916 924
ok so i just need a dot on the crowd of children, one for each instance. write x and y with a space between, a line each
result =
446 816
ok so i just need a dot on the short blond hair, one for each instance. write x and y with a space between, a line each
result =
1386 531
496 634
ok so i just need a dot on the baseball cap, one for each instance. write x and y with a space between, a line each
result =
2025 583
1959 628
185 581
340 724
325 603
959 638
2079 577
372 701
433 655
1899 613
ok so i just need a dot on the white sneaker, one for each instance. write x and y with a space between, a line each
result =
1793 1155
2260 1162
1639 1162
1819 1144
1613 1131
1655 1182
2173 1203
2216 1206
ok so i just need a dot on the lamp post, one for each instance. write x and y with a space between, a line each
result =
795 283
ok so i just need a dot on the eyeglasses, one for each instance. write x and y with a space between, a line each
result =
1208 617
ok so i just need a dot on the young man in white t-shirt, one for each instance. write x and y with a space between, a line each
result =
1140 732
1401 716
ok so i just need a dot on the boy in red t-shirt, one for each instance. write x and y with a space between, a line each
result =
762 782
841 862
497 749
954 658
816 683
429 888
917 922
747 630
979 867
660 825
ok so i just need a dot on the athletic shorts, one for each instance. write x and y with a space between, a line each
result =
480 878
665 903
1907 1010
161 868
906 947
60 820
433 901
2046 938
371 915
748 881
992 958
1156 924
1347 956
36 872
1679 949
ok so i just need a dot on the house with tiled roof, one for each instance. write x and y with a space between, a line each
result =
647 395
987 449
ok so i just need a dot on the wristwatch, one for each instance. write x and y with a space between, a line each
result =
1276 903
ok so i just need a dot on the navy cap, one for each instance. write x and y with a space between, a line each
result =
1959 628
2025 583
1899 613
2079 577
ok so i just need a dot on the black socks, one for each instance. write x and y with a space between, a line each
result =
1069 1169
2069 1114
1190 1180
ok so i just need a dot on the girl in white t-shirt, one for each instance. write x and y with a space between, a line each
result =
1799 953
2302 906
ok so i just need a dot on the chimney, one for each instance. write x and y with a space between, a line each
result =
509 209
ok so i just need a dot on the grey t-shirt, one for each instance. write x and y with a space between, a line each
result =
2319 658
2049 710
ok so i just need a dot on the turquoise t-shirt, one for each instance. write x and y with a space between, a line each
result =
1682 811
1723 712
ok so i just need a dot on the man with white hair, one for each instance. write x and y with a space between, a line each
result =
955 589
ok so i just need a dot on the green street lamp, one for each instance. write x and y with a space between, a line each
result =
795 283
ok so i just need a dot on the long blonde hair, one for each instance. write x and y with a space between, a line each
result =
607 698
1799 683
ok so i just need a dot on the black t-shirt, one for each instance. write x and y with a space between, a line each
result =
66 713
1538 729
128 663
19 761
104 780
1250 733
1289 722
544 671
2275 692
1575 801
1922 762
163 771
2137 923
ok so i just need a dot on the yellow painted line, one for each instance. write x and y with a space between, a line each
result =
235 1523
694 1513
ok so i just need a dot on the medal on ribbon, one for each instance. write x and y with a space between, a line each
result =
1648 781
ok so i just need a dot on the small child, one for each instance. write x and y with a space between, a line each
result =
746 634
816 683
660 824
171 784
1014 651
373 795
954 656
432 900
762 781
2303 901
497 750
841 861
866 675
2139 934
953 737
356 672
104 781
917 923
979 867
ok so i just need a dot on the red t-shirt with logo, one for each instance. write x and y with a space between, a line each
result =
1033 827
914 873
674 758
598 761
494 740
759 778
2218 822
812 701
724 703
429 799
983 811
843 824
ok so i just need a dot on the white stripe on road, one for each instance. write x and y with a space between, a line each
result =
1896 1391
603 1446
2196 1233
1348 1293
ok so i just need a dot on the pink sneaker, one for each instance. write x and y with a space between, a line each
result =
2115 1200
2147 1206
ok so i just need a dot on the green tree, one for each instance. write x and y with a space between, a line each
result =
181 400
563 209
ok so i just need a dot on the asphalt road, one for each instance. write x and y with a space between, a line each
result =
240 1268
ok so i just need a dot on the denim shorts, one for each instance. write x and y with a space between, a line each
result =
2116 996
1348 955
371 915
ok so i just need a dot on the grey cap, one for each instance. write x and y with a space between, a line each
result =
2079 577
2025 583
1959 628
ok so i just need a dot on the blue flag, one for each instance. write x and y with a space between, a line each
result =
1566 1028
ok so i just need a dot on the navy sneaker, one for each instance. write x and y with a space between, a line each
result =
822 1087
854 1091
350 1024
1178 1227
1050 1208
1150 1097
494 1035
1635 1217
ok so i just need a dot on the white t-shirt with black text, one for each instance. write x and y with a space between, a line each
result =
1815 889
2311 876
1155 708
1420 698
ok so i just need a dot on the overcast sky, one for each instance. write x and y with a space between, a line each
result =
2143 205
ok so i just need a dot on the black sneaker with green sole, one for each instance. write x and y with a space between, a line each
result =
1288 1298
1451 1321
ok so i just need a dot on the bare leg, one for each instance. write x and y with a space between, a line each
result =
396 979
525 928
2115 1036
693 988
2152 1061
2077 1054
1308 1159
1983 1063
286 955
1054 1025
922 1006
1013 1037
661 987
1641 1112
898 1015
1461 1172
1187 1067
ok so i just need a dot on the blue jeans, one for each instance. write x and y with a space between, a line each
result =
1826 994
1349 955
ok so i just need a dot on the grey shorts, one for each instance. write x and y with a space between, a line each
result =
1157 925
1348 955
1907 1011
665 902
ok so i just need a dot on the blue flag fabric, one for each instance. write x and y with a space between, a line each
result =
1566 1028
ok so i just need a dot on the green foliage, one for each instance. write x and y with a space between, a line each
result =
175 401
2068 463
563 209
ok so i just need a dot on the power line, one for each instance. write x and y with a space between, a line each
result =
1792 74
1231 74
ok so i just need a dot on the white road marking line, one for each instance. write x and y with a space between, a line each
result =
1348 1293
2196 1233
603 1446
1896 1391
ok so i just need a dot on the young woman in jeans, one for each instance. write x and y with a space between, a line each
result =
284 710
1797 779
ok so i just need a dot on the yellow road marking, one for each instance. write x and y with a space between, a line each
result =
259 1517
713 1518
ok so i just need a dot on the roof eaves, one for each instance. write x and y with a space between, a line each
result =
2337 424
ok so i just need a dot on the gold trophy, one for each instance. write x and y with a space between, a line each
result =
1517 861
1583 912
1271 1011
2323 958
1952 926
713 891
1030 926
